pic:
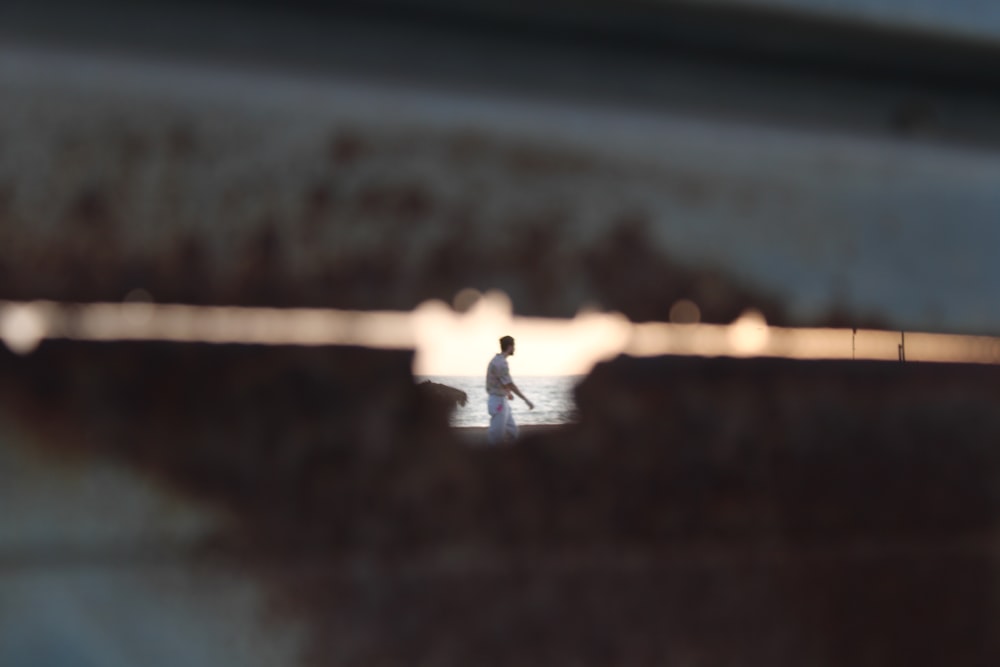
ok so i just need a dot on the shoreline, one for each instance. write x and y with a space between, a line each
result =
477 434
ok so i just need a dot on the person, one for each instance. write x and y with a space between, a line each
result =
501 390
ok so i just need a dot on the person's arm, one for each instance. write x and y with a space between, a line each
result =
511 387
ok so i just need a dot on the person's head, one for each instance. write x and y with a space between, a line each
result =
507 345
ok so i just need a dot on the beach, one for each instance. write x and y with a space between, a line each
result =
476 435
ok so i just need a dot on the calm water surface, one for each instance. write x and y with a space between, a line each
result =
552 396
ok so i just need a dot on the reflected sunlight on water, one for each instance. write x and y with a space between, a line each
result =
552 396
450 343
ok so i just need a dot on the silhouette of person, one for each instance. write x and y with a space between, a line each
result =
501 390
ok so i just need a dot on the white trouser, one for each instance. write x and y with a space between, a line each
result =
501 420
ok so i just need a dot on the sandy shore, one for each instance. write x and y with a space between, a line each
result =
476 435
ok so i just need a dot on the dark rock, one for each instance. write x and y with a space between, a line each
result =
702 511
442 393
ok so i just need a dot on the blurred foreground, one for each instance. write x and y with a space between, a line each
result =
172 502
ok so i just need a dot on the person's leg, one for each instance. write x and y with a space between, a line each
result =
511 425
498 418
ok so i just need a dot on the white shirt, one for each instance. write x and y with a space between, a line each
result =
497 376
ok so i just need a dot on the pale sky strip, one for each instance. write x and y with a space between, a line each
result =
453 343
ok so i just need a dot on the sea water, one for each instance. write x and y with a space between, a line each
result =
552 396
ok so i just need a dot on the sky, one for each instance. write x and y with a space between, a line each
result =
460 338
453 343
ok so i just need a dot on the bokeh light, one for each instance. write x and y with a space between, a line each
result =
23 326
685 311
452 341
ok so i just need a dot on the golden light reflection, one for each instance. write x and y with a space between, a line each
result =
460 340
749 334
214 324
23 326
